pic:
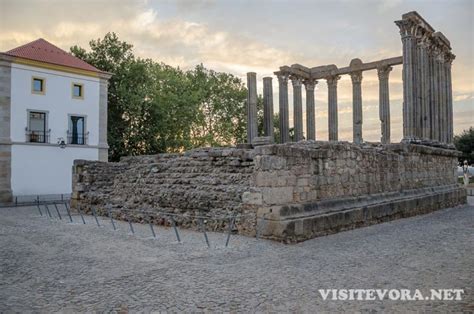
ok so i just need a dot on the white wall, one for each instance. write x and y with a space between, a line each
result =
42 168
45 169
57 100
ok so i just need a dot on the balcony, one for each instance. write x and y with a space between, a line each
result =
77 138
34 136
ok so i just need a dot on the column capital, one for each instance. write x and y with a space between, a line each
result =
407 28
283 78
356 77
310 84
295 80
383 72
332 80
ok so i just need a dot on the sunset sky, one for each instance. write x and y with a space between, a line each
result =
260 36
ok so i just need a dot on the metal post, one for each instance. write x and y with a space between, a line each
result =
130 224
39 208
95 216
80 213
68 212
111 219
151 227
47 209
203 229
57 210
175 229
16 201
231 225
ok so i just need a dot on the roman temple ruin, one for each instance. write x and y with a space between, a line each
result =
303 187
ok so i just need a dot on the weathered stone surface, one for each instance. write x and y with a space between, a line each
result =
297 190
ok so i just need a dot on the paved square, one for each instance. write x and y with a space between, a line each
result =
50 265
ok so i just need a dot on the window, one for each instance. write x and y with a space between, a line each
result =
36 131
76 132
77 91
38 85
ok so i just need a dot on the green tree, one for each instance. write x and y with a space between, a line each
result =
154 107
465 143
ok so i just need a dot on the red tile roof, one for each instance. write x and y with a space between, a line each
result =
43 51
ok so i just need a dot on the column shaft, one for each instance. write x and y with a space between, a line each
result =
332 107
407 31
310 109
423 90
384 103
450 99
283 106
297 109
268 106
252 130
356 78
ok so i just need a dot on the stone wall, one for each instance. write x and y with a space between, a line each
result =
295 191
201 182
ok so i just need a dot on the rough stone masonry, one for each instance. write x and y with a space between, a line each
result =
290 192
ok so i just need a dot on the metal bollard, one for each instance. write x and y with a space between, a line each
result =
111 219
39 209
57 210
231 225
95 216
68 212
80 213
47 209
151 227
175 229
203 229
130 224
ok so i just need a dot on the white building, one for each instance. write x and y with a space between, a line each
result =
53 110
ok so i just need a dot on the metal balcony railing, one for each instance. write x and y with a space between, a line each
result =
34 136
77 138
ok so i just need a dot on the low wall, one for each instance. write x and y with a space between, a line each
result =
296 191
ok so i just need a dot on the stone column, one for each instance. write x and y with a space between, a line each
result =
103 94
434 99
384 103
297 108
332 107
356 78
443 97
449 61
5 138
310 109
423 89
268 107
252 130
408 32
283 104
439 92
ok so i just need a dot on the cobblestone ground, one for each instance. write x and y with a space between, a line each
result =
50 265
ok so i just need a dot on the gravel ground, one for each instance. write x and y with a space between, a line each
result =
49 265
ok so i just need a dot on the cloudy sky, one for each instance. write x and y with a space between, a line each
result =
260 36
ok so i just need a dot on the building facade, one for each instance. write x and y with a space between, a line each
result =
53 110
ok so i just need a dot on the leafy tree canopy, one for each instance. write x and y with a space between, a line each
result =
154 107
465 143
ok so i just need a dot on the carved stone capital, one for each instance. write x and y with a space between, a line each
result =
408 28
282 78
310 84
356 77
296 81
332 80
383 72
